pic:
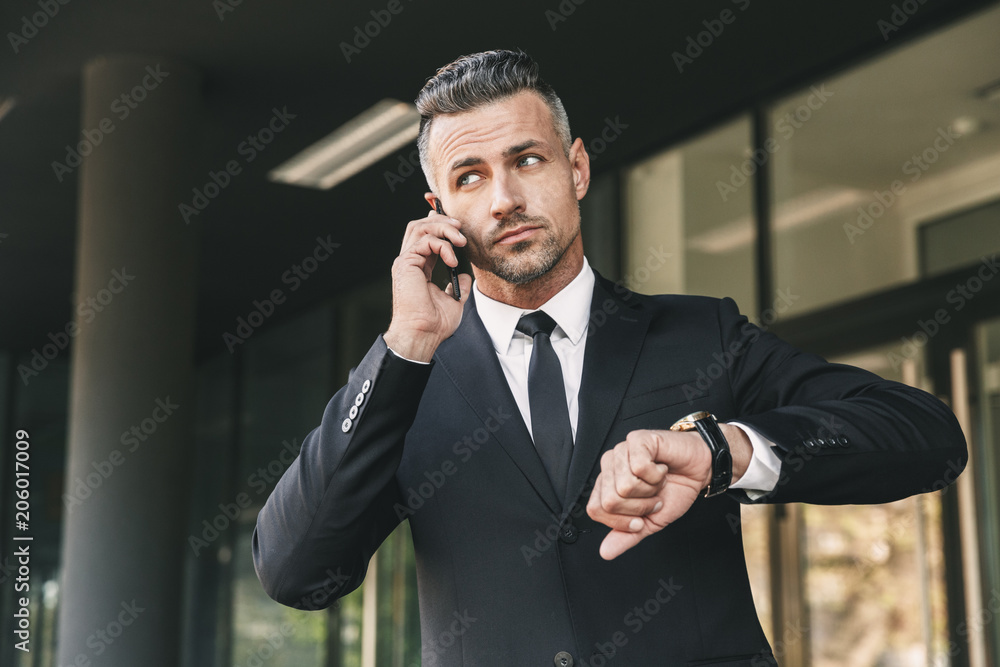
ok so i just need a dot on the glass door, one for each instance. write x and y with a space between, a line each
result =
975 378
914 583
874 575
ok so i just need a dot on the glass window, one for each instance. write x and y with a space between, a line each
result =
959 240
398 611
208 552
39 405
349 619
265 632
864 159
286 384
688 230
987 476
600 225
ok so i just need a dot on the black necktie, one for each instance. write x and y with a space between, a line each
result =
550 425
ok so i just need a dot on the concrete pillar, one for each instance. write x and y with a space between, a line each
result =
131 386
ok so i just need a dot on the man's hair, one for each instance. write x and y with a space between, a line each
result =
478 80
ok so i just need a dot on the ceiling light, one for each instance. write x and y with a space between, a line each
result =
6 104
964 125
356 145
805 209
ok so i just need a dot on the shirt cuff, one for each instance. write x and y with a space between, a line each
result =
765 467
412 361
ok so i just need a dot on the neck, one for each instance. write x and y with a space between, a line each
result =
532 295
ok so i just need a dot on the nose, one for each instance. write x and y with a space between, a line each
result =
507 197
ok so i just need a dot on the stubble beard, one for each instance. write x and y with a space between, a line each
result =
523 261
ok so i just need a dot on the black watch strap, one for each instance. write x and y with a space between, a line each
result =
722 460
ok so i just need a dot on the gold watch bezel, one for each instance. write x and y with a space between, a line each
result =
687 423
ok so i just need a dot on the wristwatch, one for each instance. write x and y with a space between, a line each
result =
722 460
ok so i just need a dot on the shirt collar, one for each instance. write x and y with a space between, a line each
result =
570 308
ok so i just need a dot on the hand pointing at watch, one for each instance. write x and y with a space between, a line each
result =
651 479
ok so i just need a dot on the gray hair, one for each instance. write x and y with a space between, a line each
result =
477 80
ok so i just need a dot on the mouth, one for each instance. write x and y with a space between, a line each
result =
516 235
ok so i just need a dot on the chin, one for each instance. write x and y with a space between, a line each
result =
523 270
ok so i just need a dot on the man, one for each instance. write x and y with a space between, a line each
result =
492 421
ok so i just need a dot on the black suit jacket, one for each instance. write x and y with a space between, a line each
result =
509 574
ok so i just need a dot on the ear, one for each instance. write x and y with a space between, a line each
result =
579 162
431 199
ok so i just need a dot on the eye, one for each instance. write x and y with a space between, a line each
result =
528 160
471 177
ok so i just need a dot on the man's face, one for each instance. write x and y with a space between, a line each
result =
502 172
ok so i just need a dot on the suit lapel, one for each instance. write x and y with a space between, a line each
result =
615 336
468 358
614 341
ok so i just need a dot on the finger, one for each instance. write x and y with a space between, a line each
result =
624 523
627 483
605 499
646 468
442 227
644 459
615 505
429 247
594 509
414 261
628 522
447 218
465 280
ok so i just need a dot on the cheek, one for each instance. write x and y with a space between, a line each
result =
475 239
554 195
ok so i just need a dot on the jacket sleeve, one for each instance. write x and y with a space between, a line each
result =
844 435
334 505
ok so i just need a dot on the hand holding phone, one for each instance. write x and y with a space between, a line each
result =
423 315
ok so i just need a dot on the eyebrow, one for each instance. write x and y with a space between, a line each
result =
513 150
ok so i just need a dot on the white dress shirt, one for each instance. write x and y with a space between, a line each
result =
570 308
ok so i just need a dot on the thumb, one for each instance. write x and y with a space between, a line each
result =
618 542
465 282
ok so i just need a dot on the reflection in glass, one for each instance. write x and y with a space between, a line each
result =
865 159
683 234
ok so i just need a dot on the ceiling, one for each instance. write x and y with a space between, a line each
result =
832 162
606 60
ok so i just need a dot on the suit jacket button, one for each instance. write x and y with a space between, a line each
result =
346 426
563 659
842 439
568 533
359 399
354 412
811 445
366 386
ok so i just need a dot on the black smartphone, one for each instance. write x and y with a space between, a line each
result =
452 269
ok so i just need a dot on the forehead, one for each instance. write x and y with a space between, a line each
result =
488 130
